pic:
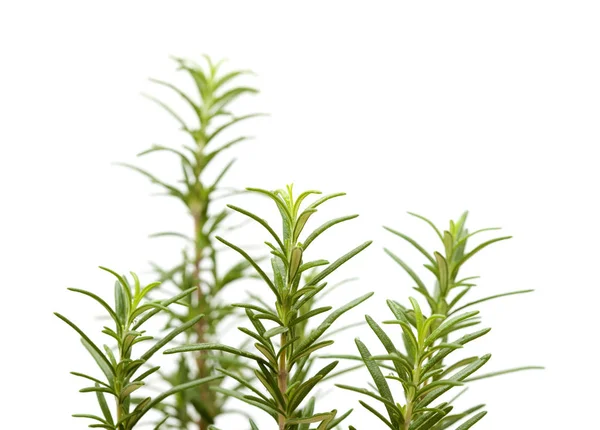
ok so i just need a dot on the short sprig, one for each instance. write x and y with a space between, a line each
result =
447 297
449 289
418 369
122 368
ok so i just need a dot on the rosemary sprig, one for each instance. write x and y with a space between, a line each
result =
199 268
428 341
283 385
122 370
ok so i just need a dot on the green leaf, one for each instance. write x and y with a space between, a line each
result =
216 347
305 351
164 304
171 234
295 261
512 293
504 372
159 148
309 314
459 376
462 341
443 274
301 222
305 388
262 274
379 380
161 422
427 420
433 385
92 417
432 225
314 419
169 337
147 373
448 324
171 190
261 222
184 96
323 228
407 269
104 407
472 421
275 331
228 124
318 332
333 424
323 199
174 390
413 243
369 393
244 382
130 388
377 414
168 109
110 311
475 251
309 265
103 362
337 263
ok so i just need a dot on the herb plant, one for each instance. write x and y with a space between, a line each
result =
283 350
122 369
277 375
199 268
428 340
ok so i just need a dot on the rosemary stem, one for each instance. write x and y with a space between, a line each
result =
412 393
282 378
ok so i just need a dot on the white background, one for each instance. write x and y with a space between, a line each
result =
434 107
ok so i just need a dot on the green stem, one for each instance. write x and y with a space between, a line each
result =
282 379
410 401
199 214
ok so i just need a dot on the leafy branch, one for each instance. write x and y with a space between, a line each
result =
283 386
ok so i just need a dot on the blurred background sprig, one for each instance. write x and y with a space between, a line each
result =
217 90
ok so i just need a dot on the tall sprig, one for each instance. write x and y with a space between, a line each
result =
283 384
122 368
216 91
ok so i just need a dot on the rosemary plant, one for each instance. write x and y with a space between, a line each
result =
199 268
121 368
284 382
420 368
